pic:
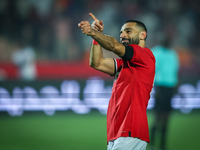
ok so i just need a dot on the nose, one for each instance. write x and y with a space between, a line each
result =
123 35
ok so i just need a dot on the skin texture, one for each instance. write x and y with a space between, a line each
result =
130 33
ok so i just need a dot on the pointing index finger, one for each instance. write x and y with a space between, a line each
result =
93 17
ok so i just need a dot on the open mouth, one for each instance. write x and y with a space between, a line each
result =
125 40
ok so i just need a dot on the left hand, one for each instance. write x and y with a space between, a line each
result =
96 24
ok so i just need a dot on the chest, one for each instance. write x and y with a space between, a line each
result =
125 73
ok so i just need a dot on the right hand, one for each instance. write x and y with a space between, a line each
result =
96 24
86 28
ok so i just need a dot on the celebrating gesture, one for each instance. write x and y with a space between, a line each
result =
87 28
96 24
127 126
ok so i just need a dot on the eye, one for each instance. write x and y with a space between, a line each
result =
128 31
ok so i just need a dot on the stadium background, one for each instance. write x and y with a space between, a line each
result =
64 106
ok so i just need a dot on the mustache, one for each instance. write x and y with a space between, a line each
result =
126 39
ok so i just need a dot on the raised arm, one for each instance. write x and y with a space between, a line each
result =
107 42
97 61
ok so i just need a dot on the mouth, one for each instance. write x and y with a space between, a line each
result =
125 40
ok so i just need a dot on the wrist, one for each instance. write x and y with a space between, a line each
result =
92 33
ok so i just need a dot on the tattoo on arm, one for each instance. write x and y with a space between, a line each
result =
106 41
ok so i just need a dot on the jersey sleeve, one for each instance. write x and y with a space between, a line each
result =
128 55
118 64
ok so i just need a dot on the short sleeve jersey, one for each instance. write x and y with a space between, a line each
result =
126 115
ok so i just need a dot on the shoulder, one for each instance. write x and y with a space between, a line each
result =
142 54
150 53
137 47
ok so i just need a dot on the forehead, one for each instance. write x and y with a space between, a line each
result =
130 25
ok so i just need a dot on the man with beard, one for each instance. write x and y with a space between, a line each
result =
127 124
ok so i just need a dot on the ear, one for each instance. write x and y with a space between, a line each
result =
143 35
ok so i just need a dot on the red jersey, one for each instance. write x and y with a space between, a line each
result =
126 115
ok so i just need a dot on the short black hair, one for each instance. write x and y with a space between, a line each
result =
139 24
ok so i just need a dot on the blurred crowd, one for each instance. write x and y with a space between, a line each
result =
50 27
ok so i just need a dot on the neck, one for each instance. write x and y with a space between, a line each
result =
142 43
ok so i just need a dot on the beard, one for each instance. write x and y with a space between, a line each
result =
134 40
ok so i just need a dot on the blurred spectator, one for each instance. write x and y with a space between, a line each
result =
50 26
43 7
46 42
24 58
65 46
166 79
